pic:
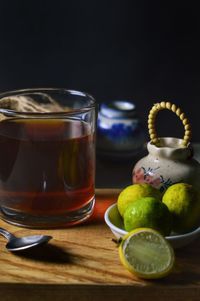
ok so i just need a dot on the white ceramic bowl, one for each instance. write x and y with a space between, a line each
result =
114 222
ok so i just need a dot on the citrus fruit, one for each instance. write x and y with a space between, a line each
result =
116 218
183 202
146 253
133 192
148 212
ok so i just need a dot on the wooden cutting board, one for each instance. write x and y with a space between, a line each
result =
82 263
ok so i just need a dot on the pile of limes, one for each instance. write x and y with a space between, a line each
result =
149 216
142 205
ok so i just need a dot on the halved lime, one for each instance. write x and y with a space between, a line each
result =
146 253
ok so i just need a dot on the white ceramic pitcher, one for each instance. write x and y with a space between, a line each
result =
170 159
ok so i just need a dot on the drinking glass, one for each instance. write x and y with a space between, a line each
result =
47 157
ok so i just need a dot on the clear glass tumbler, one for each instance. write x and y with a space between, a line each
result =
47 157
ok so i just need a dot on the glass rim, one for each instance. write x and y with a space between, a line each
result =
86 108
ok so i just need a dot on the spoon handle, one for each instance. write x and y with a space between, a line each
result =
6 234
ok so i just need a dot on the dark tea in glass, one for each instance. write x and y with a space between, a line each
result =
47 160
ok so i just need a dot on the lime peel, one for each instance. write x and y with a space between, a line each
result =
133 192
148 212
183 201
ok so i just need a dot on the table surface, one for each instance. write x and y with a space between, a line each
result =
82 263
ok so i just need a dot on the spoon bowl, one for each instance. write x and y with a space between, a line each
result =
22 243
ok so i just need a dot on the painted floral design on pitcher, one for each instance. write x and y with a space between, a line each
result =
148 175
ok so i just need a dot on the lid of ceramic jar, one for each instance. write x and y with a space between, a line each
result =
118 109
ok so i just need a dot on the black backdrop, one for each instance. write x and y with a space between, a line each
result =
142 50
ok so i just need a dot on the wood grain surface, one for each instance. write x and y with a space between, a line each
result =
82 263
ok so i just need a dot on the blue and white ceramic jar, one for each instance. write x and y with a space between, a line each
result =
119 130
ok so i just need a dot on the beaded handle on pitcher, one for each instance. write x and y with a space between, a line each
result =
172 107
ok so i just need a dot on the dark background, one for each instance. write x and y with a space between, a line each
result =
146 51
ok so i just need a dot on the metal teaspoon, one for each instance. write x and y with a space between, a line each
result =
22 243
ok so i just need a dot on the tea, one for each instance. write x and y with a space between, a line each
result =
46 167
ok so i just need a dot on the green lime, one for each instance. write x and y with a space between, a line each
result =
134 192
148 212
146 253
116 218
183 202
